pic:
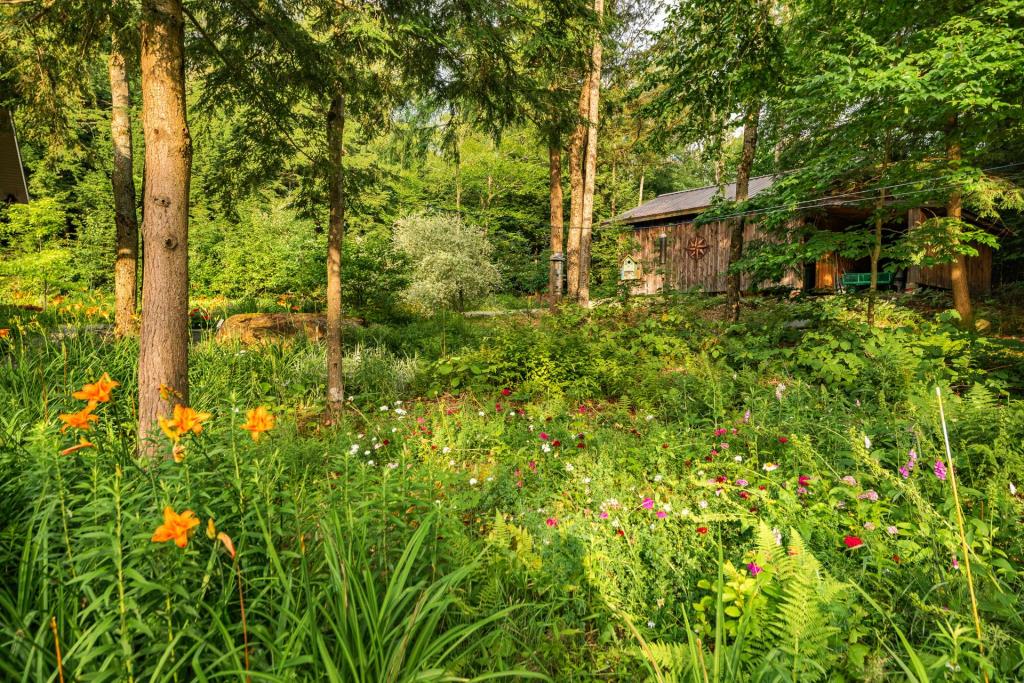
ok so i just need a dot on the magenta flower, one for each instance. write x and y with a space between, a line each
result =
754 568
604 515
544 436
741 482
662 514
940 470
551 521
721 432
647 503
532 465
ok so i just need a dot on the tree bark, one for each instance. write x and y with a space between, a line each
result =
954 210
557 221
576 150
123 182
733 282
335 237
590 168
876 254
164 341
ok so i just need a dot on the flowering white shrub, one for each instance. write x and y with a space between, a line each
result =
450 260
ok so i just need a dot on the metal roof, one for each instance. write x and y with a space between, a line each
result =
12 175
686 202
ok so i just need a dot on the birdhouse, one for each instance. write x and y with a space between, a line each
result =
630 270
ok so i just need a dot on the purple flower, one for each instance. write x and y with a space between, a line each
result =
741 482
746 417
754 568
940 470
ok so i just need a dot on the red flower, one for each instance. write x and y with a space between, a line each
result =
620 532
762 487
581 445
551 521
853 541
497 407
702 530
582 410
506 392
543 436
804 480
708 458
783 439
896 559
556 443
744 495
664 445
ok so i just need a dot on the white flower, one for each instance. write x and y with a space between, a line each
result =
685 512
650 624
1013 489
738 458
398 403
569 467
702 504
394 429
546 448
653 525
778 536
480 413
353 449
512 412
658 477
779 388
867 442
650 417
473 482
383 409
615 522
666 507
370 463
366 452
490 478
769 467
400 411
392 465
451 463
446 450
586 480
892 530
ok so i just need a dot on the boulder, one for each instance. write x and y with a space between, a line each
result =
254 328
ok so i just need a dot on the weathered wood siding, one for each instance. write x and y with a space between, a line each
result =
979 268
680 271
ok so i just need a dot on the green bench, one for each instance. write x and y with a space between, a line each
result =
854 281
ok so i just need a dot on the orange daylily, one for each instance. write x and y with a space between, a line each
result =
183 421
258 420
228 543
175 527
82 443
98 391
83 419
211 529
5 332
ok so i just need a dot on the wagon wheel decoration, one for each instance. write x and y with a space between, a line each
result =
697 247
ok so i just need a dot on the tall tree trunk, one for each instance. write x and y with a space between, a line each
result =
123 182
557 224
954 210
876 254
576 150
590 168
750 121
164 339
640 196
335 236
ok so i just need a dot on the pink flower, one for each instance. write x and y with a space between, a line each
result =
870 494
551 521
940 470
804 480
532 465
544 436
741 482
746 417
604 515
662 514
754 568
647 503
721 432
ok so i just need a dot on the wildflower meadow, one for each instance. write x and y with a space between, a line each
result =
657 495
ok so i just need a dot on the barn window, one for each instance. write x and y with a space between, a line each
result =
629 270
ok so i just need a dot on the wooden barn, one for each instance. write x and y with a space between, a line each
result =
674 253
12 175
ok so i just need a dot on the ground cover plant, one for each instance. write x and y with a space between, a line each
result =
662 495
